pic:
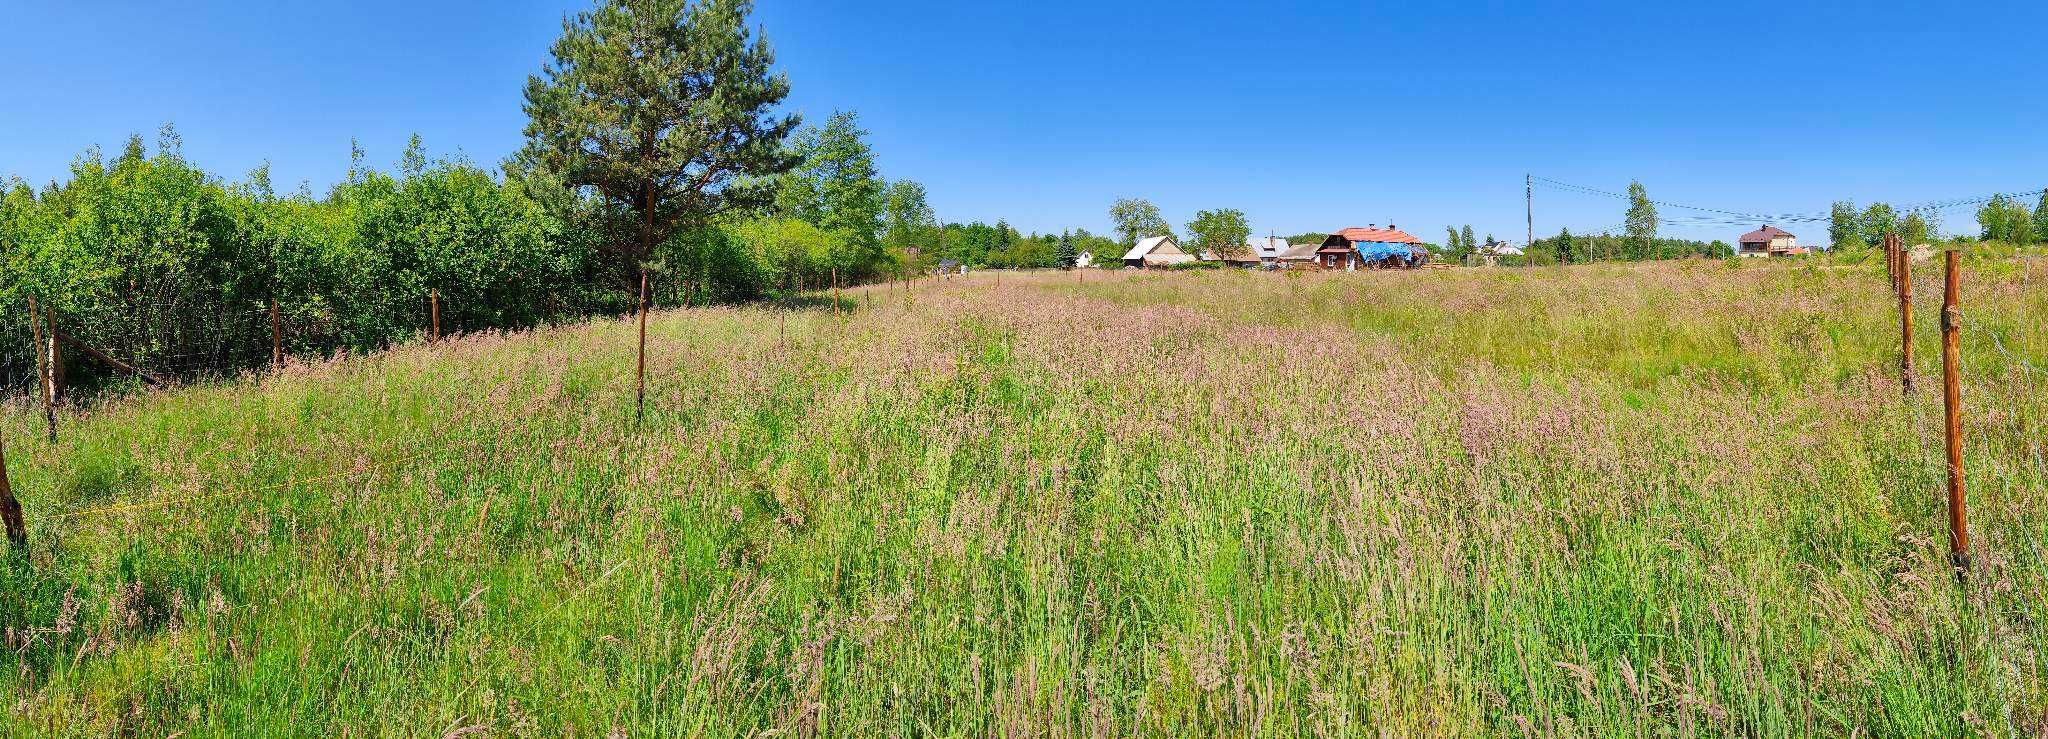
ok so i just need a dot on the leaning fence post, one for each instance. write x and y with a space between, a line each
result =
10 509
1905 284
1952 405
434 315
640 374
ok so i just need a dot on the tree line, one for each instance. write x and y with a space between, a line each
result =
677 163
2002 218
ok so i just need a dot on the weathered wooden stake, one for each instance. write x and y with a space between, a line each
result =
35 327
835 292
1952 404
47 347
276 338
434 314
57 374
1905 285
1891 259
10 509
640 374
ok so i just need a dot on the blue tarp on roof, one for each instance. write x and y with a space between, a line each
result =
1374 251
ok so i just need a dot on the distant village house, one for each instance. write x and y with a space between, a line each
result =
1491 253
1268 250
1371 247
1769 241
1157 251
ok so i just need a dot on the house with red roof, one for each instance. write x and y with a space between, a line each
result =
1769 241
1371 247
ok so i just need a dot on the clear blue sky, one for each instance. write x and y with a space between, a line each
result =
1307 116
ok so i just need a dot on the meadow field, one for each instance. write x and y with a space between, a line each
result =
1669 499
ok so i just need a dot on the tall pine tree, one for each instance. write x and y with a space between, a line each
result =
664 108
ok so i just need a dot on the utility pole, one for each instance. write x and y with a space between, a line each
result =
1529 214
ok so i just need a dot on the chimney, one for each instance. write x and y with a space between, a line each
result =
1390 227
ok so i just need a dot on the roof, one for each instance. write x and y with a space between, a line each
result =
1248 254
1300 252
1145 246
1763 235
1268 247
1389 235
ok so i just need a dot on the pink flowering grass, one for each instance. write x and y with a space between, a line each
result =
1674 499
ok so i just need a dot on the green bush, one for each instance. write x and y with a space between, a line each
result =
158 263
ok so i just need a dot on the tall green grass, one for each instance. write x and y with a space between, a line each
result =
1681 499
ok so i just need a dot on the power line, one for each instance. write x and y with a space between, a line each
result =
1605 193
1737 218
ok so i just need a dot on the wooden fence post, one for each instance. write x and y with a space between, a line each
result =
46 350
434 315
1952 406
56 355
10 509
1891 259
37 347
640 374
276 338
1905 285
835 292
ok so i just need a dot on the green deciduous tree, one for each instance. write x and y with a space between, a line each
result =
835 184
1219 232
907 220
1137 218
663 107
1641 225
2006 219
1876 222
1913 230
1845 226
